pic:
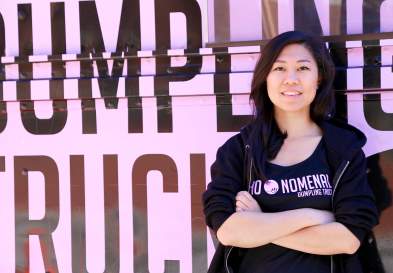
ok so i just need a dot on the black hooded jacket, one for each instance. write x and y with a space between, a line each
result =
353 203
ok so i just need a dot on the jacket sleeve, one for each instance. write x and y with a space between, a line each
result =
354 203
226 181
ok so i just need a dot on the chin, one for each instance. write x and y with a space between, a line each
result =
293 108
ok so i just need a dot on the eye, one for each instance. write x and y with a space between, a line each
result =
304 68
278 68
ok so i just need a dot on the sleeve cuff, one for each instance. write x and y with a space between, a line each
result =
217 219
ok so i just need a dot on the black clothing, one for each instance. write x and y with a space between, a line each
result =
352 202
272 258
302 185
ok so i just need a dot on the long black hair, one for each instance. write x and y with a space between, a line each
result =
323 103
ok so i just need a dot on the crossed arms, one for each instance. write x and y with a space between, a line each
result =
307 230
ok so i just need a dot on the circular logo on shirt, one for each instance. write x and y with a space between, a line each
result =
270 186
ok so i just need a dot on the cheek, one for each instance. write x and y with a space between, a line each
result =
311 83
271 90
310 96
272 83
269 86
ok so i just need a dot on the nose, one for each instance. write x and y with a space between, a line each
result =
291 77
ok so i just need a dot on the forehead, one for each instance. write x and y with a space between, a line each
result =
295 52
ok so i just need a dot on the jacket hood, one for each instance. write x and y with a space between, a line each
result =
342 138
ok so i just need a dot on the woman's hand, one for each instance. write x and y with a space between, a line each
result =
245 202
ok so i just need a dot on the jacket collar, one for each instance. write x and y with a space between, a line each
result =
341 140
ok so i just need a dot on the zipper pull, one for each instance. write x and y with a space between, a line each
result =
247 147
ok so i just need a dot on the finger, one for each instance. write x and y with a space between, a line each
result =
244 194
238 195
246 200
247 195
241 193
240 204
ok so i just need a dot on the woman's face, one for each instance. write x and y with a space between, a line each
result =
293 80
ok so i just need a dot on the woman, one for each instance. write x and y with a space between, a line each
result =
289 192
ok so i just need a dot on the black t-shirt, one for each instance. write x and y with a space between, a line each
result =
303 185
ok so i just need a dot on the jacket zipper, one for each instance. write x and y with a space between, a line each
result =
334 190
250 175
247 147
226 259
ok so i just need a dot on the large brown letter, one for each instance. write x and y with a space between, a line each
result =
78 214
128 41
30 121
142 166
44 227
198 226
165 73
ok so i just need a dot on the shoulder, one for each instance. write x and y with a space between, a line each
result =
232 149
238 141
342 137
234 142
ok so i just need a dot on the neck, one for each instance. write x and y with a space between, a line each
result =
296 124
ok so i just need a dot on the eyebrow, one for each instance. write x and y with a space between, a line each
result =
299 61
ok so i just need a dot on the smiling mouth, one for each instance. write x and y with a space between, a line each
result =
291 93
